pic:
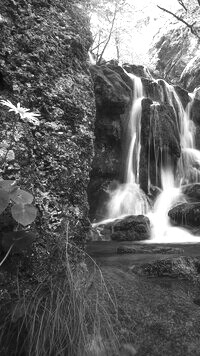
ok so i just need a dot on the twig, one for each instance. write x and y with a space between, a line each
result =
7 254
190 26
182 4
99 44
110 34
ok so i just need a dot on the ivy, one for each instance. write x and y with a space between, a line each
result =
19 200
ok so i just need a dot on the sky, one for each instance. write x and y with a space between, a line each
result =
158 19
136 46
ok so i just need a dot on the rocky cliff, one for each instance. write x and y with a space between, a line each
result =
43 65
174 53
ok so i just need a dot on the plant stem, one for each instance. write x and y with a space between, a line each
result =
7 254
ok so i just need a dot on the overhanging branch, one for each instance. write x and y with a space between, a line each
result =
110 33
190 26
182 4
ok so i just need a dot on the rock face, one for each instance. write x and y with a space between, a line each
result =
172 51
195 116
44 66
131 228
139 70
186 214
112 94
159 136
192 191
113 91
190 77
174 47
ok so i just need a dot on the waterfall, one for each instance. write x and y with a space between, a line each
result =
184 124
128 198
162 231
190 157
134 128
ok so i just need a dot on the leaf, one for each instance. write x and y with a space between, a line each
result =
20 196
8 185
4 200
24 214
21 240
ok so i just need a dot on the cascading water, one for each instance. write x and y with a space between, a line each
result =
128 198
162 231
186 130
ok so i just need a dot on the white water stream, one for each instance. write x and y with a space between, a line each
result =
162 230
128 198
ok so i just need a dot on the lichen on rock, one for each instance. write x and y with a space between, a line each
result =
43 66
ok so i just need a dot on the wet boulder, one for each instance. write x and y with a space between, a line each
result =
186 214
111 92
183 95
192 191
151 89
159 139
131 228
195 116
138 70
164 132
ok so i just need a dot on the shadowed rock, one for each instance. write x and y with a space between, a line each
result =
186 214
111 92
131 228
148 250
192 191
190 77
180 267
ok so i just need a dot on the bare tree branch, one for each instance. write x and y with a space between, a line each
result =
110 33
117 45
190 26
182 4
198 2
98 45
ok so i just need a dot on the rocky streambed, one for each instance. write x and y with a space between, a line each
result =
157 292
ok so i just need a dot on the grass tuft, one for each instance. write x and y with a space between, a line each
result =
70 314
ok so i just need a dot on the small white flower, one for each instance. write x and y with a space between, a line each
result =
23 112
